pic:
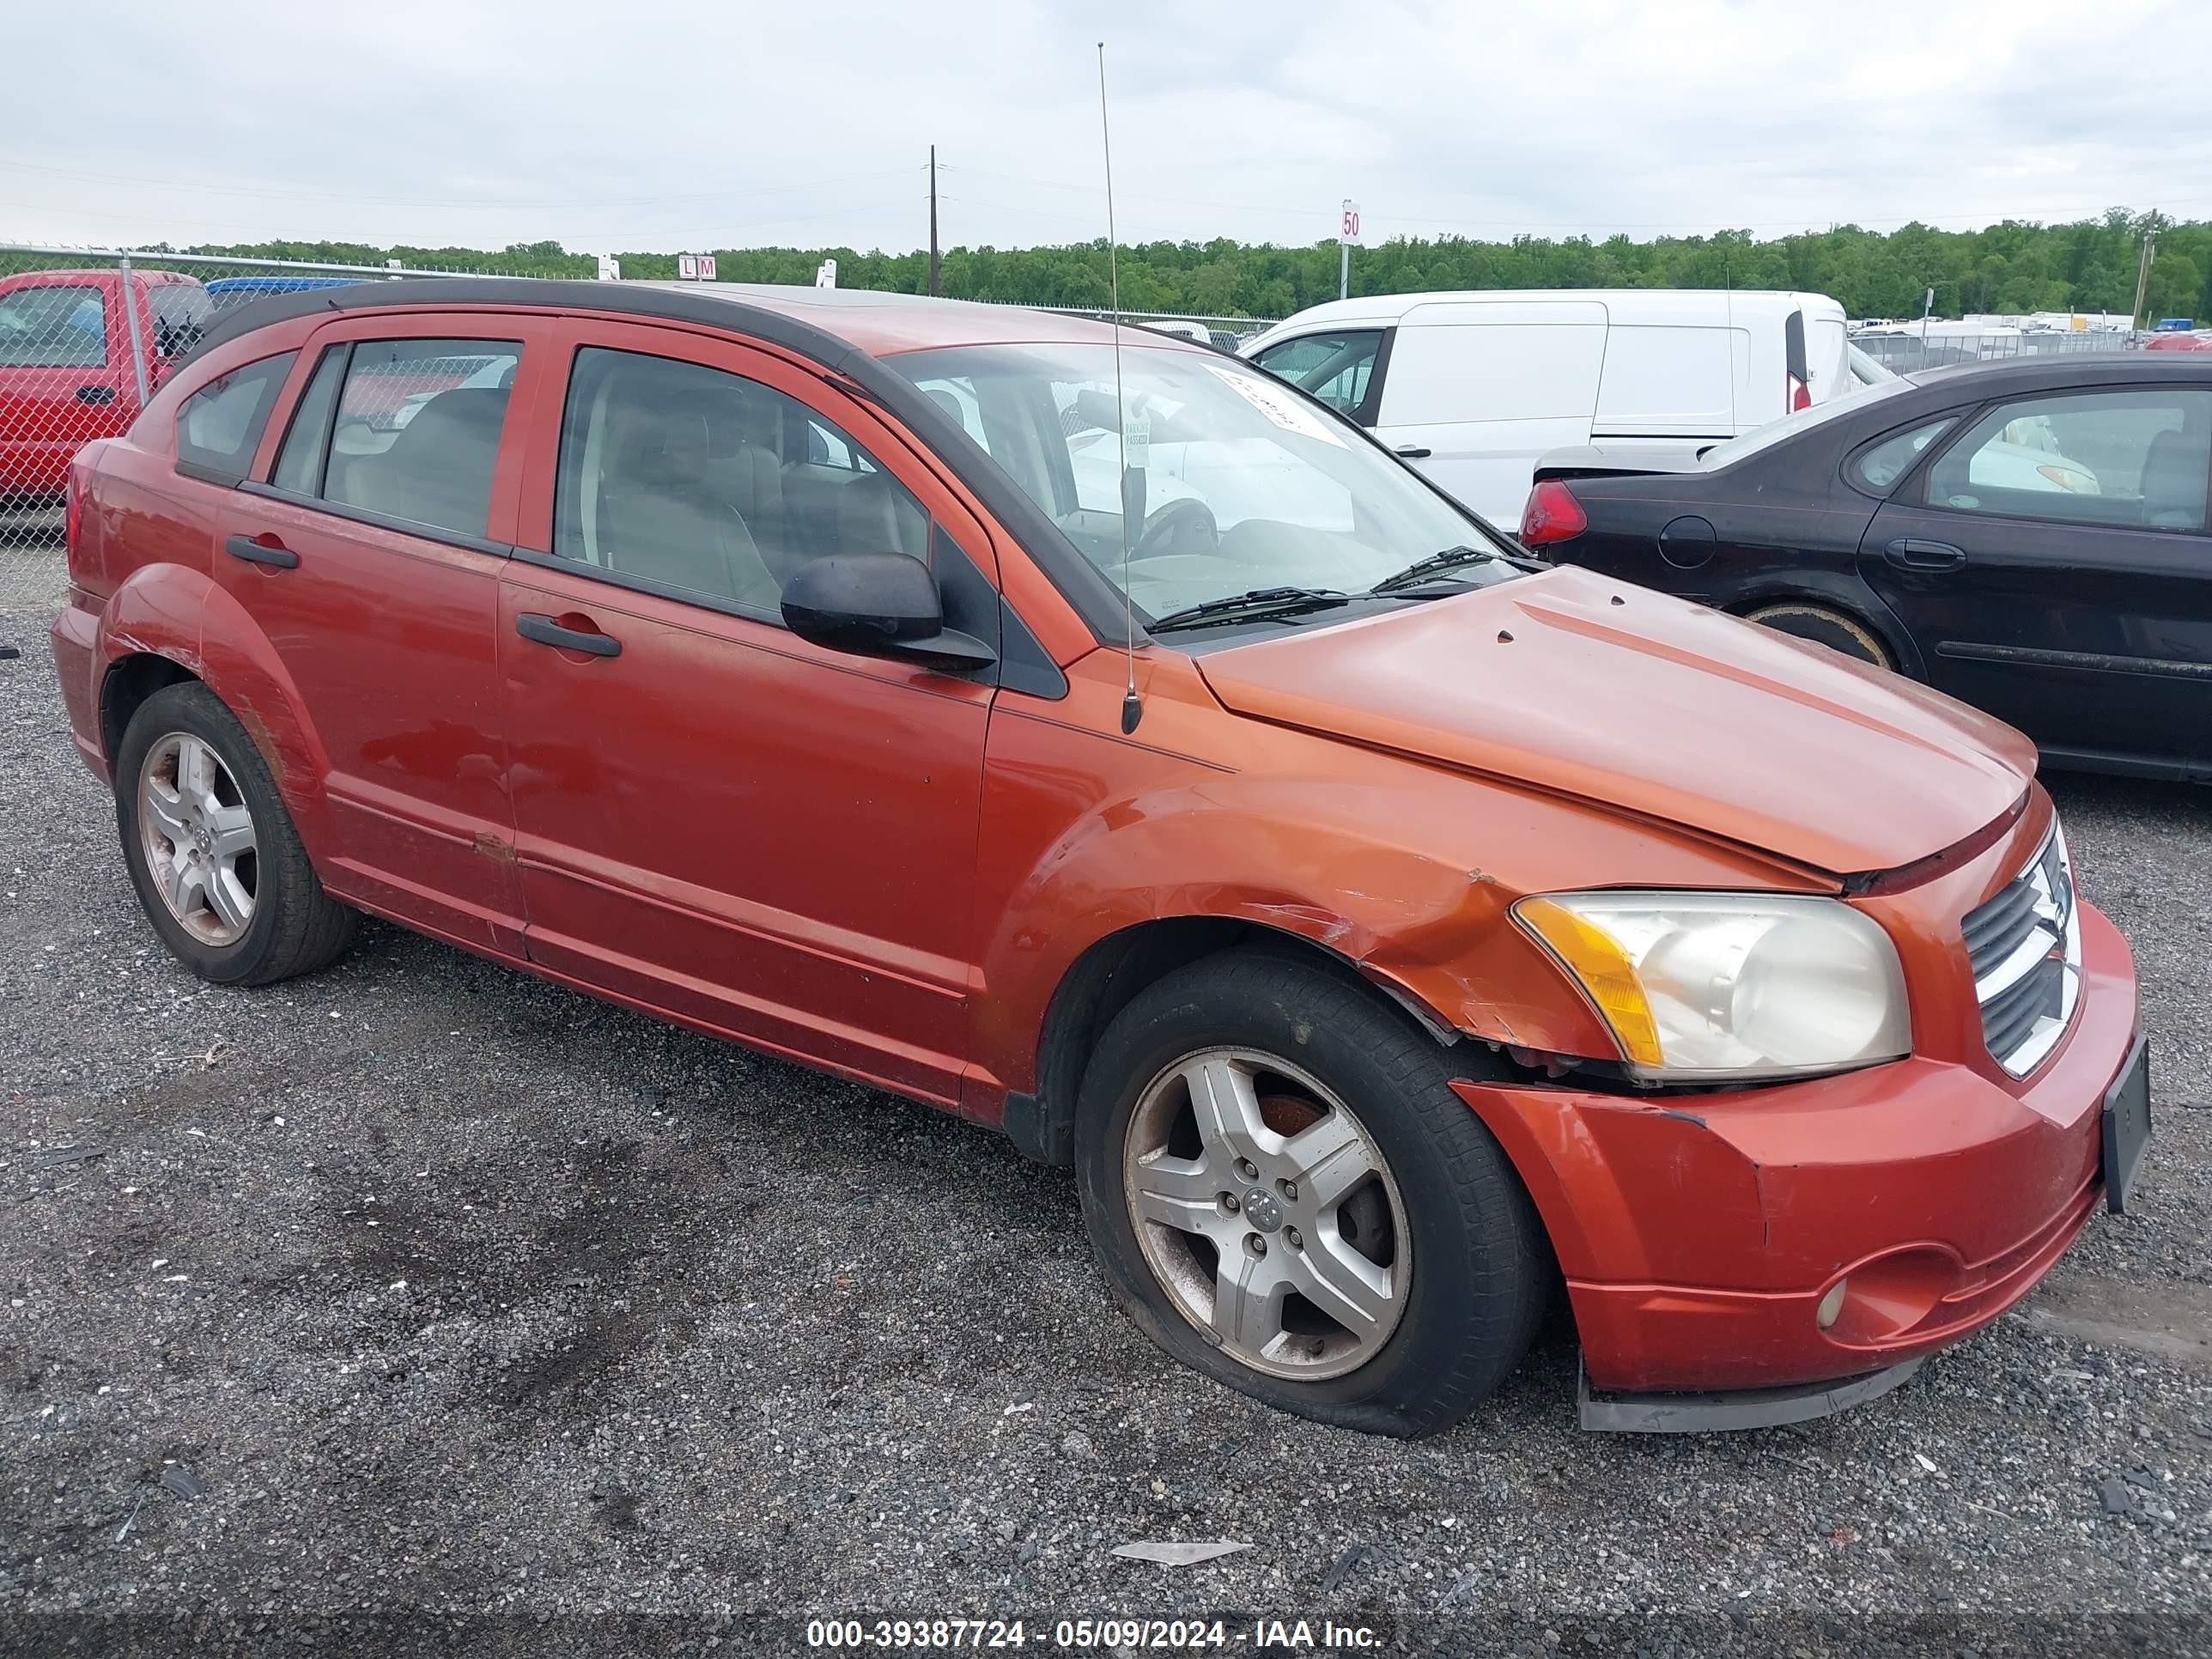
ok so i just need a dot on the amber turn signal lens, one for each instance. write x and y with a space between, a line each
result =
1606 971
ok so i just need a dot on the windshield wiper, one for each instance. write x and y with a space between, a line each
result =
1435 565
1252 602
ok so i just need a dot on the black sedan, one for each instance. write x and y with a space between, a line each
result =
2030 536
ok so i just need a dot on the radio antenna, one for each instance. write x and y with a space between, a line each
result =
1133 708
1728 299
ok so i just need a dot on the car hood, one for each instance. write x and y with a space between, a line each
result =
1583 686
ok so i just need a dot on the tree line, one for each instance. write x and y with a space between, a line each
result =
2012 267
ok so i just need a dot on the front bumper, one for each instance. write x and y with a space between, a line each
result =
1699 1233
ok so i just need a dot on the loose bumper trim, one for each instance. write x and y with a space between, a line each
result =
1610 1412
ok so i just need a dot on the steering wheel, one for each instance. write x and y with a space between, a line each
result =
1186 525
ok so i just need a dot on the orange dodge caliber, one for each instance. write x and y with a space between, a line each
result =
1107 743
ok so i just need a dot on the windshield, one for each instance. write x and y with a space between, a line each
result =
1774 432
1234 483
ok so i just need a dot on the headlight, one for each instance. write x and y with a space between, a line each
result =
1729 985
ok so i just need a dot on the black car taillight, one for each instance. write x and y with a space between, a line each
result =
1553 515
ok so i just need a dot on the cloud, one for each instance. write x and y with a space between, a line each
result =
659 124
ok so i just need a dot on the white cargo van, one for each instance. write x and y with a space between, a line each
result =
1472 387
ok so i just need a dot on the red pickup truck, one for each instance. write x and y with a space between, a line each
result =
71 371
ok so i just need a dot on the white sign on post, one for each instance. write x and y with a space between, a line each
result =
706 267
1348 234
825 275
687 267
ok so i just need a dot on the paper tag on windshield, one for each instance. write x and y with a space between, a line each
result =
1278 404
1137 439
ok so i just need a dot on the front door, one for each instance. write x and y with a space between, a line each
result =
715 818
2054 565
368 556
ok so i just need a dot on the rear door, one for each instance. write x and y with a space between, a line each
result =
1673 382
2053 561
369 556
65 377
716 818
1476 392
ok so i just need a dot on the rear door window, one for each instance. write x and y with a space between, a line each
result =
53 325
407 430
307 440
219 427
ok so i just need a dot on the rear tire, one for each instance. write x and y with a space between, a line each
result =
1824 625
1362 1186
213 856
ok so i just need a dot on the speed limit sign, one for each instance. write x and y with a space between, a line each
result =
1349 234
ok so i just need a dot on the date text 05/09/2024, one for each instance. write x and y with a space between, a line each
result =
1164 1635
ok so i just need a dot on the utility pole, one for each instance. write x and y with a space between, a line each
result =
932 219
2143 272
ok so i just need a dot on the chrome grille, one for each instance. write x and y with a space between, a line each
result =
2025 945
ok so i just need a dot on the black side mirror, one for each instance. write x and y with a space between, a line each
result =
877 604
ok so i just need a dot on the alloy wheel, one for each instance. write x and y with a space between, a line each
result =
1267 1212
199 837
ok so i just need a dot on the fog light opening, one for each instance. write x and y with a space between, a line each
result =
1832 1305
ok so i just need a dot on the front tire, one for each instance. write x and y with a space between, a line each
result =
213 856
1287 1195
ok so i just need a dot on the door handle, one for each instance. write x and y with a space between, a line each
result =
95 394
546 631
1910 553
278 556
1412 451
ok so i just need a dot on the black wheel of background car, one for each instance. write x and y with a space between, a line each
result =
218 866
1287 1196
1824 625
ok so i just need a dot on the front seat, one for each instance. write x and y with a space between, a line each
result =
2174 482
660 519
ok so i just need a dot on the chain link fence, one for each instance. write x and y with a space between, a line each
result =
1227 333
87 338
1904 349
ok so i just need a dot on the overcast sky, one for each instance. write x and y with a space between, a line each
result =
667 124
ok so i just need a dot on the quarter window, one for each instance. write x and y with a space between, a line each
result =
682 477
2138 460
61 325
1335 367
414 432
1885 463
219 427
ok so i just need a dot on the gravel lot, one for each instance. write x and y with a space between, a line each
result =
464 1312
